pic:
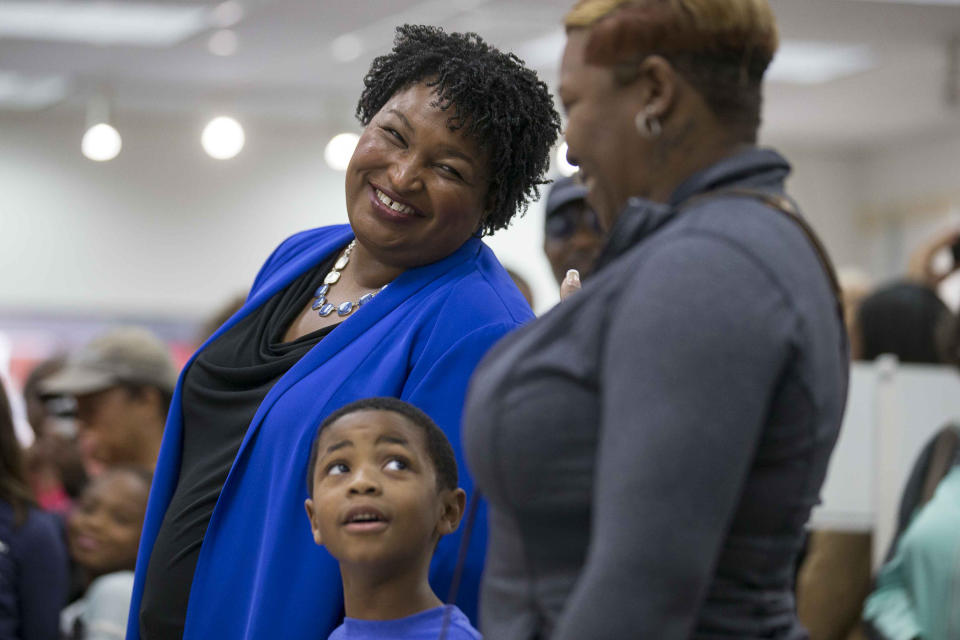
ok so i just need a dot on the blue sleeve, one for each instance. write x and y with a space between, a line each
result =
693 347
438 385
43 579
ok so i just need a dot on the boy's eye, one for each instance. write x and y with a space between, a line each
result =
337 468
396 464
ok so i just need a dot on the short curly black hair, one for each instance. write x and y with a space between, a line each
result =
500 103
438 446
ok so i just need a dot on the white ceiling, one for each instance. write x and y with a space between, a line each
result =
285 69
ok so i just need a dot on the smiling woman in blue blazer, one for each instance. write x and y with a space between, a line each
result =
402 302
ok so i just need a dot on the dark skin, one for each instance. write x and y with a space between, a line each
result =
616 161
104 529
378 460
439 179
577 251
117 426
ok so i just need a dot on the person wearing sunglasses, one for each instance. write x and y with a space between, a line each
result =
572 235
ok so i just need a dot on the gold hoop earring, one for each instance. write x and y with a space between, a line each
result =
648 125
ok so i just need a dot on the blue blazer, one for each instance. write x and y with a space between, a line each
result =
259 573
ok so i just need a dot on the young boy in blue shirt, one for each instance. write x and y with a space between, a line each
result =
382 487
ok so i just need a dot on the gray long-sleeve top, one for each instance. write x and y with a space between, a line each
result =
651 448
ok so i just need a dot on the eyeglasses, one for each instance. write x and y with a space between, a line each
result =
564 223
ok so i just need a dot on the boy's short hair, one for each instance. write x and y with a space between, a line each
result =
438 446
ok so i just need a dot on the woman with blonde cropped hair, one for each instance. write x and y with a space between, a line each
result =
651 448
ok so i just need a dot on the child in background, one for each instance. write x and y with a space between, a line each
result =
382 486
103 535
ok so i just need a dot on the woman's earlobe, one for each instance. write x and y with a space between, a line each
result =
647 124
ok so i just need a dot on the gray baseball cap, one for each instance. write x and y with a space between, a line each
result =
563 191
124 355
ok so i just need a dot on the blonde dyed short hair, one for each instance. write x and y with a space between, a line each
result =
665 25
723 47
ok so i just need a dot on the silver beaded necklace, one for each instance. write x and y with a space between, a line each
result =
320 304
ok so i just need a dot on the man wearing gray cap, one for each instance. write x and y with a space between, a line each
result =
123 381
572 237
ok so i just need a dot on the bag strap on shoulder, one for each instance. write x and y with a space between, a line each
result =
786 206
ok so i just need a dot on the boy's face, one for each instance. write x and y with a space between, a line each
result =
375 496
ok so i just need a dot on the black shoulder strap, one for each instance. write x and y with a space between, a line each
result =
946 446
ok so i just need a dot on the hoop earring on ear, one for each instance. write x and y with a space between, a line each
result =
648 125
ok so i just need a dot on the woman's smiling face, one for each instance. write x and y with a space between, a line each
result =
415 190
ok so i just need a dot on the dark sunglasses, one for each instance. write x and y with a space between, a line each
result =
565 222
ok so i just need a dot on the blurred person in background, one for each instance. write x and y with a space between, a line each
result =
936 260
123 381
402 302
103 533
856 285
917 591
916 594
54 465
34 575
38 413
572 237
651 448
906 319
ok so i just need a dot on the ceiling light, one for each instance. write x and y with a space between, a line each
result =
31 92
102 22
807 62
223 42
346 48
222 138
565 168
226 14
101 143
339 150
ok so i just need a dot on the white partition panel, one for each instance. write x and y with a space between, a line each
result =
892 412
847 494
